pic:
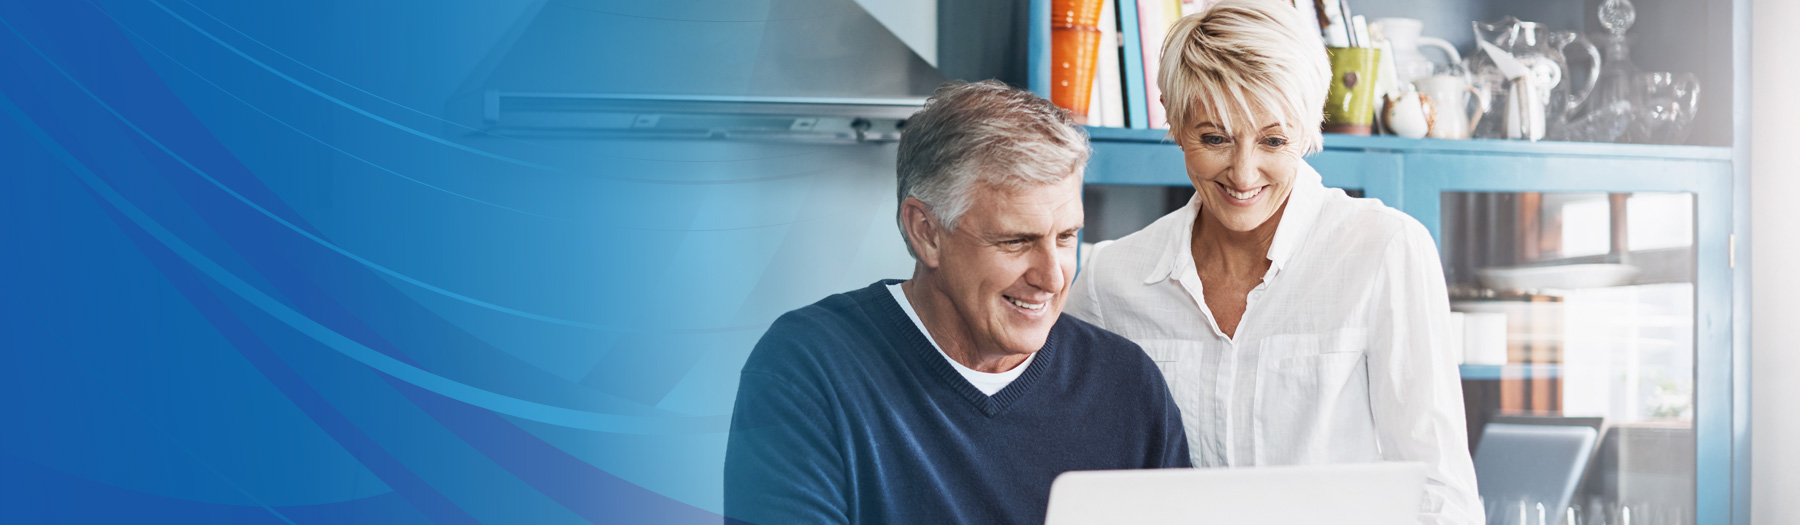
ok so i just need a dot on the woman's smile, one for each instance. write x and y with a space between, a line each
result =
1248 197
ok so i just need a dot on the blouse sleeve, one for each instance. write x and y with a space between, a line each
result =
1415 390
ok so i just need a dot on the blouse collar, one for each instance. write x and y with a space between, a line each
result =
1296 221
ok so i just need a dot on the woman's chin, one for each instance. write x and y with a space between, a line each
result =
1242 221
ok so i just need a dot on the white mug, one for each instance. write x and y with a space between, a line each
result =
1451 95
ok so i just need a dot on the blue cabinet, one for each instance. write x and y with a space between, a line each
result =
1676 399
1660 354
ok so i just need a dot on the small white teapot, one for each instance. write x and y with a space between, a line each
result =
1409 114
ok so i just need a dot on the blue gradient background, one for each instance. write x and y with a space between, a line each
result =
254 269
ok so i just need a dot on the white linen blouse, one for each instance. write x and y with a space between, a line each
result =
1340 356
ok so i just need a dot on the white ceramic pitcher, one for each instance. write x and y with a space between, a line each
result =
1403 35
1452 95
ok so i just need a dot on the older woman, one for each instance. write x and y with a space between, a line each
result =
1294 324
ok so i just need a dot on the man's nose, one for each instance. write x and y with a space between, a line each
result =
1046 270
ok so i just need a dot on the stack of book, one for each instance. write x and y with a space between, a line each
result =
1132 33
1131 41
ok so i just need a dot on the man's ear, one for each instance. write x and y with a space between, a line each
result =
923 232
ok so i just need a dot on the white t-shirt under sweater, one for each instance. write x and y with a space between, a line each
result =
985 382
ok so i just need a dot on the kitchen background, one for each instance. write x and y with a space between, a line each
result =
1609 341
501 260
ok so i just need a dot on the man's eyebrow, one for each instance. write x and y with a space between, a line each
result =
1016 235
1034 235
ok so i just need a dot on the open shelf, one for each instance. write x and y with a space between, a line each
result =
1395 169
1389 143
1669 35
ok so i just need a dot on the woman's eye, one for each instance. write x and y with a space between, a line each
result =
1275 142
1212 140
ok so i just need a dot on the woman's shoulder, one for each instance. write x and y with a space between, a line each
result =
1139 252
1368 220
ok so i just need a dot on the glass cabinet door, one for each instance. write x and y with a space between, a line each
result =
1577 336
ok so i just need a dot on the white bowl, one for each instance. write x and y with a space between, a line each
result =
1565 277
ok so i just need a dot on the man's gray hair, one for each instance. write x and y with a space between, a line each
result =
988 133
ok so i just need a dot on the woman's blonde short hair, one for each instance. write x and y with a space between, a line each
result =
1244 55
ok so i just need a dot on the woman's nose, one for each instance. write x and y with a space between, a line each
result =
1246 166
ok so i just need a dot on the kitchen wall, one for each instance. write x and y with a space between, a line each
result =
1775 252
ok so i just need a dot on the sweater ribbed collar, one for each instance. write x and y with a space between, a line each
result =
905 337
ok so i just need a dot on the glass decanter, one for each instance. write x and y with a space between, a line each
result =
1618 98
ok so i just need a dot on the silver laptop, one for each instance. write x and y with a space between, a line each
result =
1361 494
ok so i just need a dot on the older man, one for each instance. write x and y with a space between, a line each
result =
959 395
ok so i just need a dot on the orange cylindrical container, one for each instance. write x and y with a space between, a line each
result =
1075 13
1074 52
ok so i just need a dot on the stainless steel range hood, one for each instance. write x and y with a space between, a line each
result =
810 119
806 70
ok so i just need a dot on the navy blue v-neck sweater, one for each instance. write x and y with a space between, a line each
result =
847 414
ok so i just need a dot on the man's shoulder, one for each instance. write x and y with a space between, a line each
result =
836 312
1104 350
821 331
1110 369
